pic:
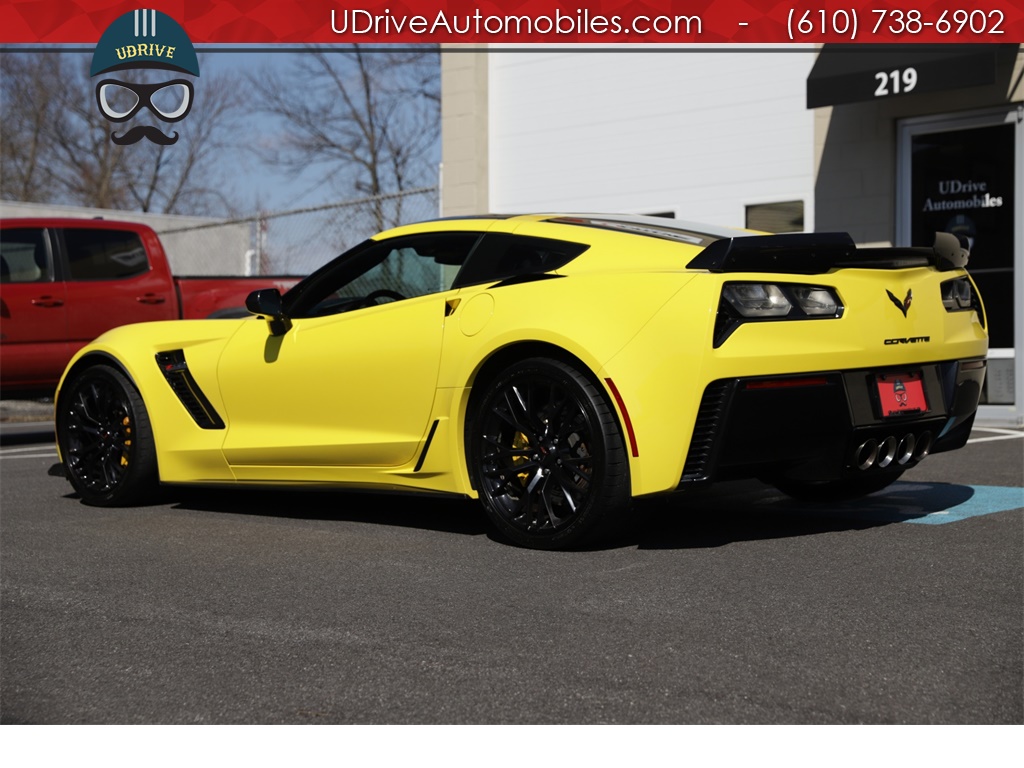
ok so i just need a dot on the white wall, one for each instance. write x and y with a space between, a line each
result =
698 133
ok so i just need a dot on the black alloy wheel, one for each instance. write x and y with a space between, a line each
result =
547 456
105 439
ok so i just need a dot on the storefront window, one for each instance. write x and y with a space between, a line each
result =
963 180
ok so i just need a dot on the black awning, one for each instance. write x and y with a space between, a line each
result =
845 74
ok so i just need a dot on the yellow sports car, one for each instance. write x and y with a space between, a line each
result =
553 366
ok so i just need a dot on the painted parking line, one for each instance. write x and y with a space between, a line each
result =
977 435
28 452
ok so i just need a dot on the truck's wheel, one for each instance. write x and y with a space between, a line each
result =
105 438
547 456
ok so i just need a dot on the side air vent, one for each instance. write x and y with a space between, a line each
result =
175 370
705 432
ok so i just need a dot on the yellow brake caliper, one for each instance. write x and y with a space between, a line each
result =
127 424
521 443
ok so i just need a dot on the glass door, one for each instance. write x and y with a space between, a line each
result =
963 174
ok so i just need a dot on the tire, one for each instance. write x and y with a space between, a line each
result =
547 457
105 439
838 490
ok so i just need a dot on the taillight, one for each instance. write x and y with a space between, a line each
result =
744 302
958 296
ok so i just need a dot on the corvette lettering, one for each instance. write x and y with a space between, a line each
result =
909 340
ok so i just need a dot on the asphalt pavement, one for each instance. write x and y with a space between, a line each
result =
736 606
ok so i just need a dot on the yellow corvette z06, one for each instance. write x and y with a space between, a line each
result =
553 366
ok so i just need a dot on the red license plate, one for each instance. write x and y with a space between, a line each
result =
901 393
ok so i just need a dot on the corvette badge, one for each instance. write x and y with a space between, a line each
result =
904 305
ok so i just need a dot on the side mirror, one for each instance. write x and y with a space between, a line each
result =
267 302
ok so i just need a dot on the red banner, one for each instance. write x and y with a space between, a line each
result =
549 22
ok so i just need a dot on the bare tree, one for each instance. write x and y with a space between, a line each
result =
57 147
42 103
367 122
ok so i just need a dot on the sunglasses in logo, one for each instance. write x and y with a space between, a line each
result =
120 101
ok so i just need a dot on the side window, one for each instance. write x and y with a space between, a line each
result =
24 257
409 269
104 254
776 217
501 256
389 270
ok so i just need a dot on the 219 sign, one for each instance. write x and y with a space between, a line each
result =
896 82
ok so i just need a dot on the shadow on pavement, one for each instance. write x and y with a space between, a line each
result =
729 513
25 433
433 513
751 511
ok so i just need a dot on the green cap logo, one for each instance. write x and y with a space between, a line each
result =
144 39
139 41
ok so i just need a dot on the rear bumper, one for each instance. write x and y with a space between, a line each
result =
826 426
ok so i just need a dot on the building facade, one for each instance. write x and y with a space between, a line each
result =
887 143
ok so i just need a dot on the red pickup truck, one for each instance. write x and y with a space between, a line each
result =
63 282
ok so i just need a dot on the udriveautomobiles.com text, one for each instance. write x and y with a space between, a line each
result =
362 22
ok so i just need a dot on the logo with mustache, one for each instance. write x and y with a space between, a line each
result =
140 132
902 306
137 45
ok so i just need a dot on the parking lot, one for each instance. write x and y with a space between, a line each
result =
734 606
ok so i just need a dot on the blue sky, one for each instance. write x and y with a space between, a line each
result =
261 186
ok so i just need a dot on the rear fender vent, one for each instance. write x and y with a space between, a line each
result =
175 370
705 431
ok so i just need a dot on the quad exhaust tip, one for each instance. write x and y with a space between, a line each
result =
881 454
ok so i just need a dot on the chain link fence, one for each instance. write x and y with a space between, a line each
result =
292 242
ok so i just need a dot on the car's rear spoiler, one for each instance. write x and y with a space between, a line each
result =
817 253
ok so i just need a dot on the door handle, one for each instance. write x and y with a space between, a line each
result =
150 298
48 301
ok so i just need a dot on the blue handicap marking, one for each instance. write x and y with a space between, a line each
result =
933 503
909 502
953 506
